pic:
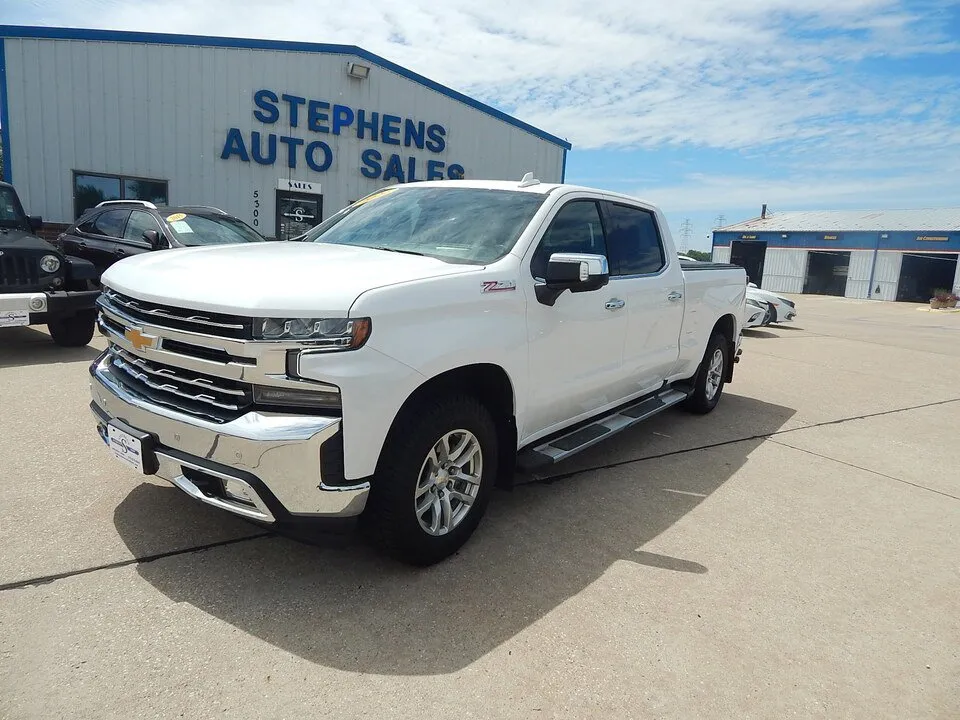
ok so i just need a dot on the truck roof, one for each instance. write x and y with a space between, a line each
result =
538 188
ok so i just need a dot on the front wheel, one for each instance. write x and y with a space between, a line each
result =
710 378
75 331
770 315
433 481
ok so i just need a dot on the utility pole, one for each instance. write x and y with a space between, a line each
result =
686 232
720 221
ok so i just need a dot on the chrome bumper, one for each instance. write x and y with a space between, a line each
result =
34 302
277 457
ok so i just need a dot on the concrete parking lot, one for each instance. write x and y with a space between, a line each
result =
794 554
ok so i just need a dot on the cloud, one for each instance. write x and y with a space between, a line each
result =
713 192
622 73
826 95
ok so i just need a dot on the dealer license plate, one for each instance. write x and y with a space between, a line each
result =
126 447
14 318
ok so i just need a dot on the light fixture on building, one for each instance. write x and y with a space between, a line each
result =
358 71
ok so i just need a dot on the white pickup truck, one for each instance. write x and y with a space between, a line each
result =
408 354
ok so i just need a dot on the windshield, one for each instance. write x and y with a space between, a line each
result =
11 214
465 225
192 229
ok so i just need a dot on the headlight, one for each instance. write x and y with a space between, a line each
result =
332 334
49 264
754 303
327 396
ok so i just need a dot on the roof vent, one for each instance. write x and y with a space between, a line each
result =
528 180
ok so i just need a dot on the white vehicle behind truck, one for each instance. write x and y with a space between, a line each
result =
408 354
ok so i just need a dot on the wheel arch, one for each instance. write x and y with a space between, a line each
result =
727 326
491 385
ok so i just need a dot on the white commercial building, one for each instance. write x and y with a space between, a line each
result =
280 134
878 254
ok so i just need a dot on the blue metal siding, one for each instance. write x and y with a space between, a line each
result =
56 33
899 240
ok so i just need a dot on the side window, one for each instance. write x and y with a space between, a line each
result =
86 225
110 223
635 247
138 224
575 229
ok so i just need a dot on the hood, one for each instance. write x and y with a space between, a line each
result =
20 240
271 279
763 295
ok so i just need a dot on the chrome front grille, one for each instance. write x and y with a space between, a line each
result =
19 270
214 398
207 323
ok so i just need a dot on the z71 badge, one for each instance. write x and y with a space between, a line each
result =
498 285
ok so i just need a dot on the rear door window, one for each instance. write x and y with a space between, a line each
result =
634 241
110 223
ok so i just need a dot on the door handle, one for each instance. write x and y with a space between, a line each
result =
120 251
614 304
674 296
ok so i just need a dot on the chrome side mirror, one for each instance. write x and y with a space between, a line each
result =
576 272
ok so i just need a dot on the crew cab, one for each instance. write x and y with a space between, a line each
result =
40 285
408 354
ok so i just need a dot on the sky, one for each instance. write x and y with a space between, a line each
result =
708 108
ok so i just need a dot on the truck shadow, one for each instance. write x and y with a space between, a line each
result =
24 346
341 605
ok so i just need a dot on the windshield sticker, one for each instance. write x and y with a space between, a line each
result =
180 225
498 286
175 217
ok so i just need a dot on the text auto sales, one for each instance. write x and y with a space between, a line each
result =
320 117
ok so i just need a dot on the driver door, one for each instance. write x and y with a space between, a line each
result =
575 346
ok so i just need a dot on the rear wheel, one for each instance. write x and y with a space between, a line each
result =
710 378
75 331
434 480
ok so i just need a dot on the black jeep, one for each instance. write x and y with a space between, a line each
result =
39 284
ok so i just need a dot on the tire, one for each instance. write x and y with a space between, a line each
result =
707 388
769 316
75 331
408 475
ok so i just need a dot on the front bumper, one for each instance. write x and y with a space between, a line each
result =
45 306
276 457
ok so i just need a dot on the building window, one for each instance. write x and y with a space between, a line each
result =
91 189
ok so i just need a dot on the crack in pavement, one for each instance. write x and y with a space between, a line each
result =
44 579
762 436
860 467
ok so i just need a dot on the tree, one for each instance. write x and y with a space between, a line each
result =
700 255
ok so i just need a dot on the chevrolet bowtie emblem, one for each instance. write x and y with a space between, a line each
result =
139 340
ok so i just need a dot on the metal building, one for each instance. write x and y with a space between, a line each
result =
280 134
879 254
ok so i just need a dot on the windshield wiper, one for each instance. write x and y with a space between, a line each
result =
398 250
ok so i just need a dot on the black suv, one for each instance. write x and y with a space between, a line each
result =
38 283
116 229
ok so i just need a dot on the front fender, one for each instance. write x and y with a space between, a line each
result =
80 271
